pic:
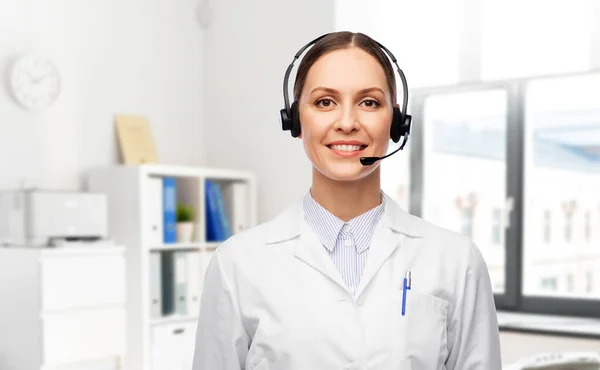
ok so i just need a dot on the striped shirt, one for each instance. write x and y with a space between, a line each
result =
346 242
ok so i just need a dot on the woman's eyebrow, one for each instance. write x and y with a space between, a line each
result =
371 89
325 89
334 91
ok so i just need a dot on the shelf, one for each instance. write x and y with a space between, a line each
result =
185 246
173 319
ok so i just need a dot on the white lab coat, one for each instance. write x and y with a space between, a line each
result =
274 300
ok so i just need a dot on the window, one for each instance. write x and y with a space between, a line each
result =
516 144
562 156
463 164
497 226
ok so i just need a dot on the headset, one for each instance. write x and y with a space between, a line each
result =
401 122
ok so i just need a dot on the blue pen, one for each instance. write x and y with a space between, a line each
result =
406 287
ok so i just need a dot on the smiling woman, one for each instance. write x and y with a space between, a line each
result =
324 284
344 118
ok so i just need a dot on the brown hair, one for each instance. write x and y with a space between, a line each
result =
344 40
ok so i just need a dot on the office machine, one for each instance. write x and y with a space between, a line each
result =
40 218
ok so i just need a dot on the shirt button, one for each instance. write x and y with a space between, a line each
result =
346 227
347 242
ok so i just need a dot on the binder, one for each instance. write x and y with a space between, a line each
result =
155 285
180 260
223 218
194 282
214 231
237 205
168 283
155 210
169 210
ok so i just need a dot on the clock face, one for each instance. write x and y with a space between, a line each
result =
35 82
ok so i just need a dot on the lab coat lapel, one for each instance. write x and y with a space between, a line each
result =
383 245
290 226
395 229
312 252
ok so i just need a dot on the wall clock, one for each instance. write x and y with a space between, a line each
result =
34 82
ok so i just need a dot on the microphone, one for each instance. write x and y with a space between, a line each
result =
367 161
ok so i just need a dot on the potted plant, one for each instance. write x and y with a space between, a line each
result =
185 223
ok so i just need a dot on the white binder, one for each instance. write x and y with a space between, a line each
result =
155 284
194 283
180 260
236 199
155 210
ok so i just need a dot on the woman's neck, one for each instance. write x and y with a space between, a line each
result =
347 200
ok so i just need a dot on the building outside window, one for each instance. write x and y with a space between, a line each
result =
466 207
549 284
547 226
497 226
569 210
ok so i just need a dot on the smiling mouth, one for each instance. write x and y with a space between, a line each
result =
347 148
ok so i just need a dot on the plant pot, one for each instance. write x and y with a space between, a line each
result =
185 231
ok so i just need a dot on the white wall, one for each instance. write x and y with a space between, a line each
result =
115 56
248 47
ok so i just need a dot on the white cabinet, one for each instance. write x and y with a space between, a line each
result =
173 346
62 308
165 277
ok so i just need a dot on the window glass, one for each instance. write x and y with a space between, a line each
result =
465 170
562 178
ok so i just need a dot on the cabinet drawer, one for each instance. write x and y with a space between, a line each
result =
173 346
84 335
77 281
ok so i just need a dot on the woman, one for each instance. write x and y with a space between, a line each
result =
344 278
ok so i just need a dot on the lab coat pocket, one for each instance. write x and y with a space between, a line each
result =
421 332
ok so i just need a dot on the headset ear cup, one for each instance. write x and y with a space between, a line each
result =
296 129
396 128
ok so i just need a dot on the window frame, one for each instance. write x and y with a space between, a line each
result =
512 299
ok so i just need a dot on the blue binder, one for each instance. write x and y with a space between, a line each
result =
214 231
169 210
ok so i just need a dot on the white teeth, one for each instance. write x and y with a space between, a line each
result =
346 148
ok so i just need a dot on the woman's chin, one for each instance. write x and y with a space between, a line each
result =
348 172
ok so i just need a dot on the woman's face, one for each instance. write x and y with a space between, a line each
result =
345 113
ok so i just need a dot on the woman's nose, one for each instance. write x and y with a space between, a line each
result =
348 121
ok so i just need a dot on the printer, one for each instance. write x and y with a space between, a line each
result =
40 218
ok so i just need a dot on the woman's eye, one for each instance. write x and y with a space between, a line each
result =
370 103
325 103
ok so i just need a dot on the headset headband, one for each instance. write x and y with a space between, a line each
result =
390 55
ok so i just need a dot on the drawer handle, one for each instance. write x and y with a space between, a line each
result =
178 331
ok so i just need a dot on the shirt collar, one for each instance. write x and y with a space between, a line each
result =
328 227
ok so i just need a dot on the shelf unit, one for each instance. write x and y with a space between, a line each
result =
152 340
